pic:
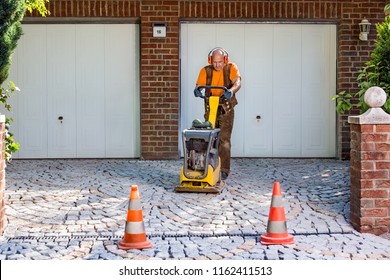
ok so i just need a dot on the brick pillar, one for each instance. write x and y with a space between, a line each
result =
370 166
2 174
159 81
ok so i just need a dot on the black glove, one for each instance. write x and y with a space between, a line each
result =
197 92
228 93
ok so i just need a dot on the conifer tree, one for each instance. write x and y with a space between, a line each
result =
11 15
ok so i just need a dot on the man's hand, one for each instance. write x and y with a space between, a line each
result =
228 93
197 92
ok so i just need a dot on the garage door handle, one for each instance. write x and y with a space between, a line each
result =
60 118
258 117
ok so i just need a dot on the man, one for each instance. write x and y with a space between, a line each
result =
221 72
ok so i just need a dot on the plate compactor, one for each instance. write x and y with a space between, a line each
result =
201 171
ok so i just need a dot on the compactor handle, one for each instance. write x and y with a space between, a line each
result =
212 87
200 88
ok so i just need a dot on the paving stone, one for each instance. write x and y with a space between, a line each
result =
180 225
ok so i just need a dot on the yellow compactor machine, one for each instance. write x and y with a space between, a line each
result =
201 171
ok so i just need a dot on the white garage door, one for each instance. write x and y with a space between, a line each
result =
289 72
79 91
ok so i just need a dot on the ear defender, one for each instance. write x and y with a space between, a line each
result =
225 55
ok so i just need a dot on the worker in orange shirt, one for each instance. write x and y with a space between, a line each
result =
221 72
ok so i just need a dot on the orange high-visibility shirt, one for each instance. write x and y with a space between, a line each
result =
217 79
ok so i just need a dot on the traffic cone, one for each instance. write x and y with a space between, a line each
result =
277 227
135 236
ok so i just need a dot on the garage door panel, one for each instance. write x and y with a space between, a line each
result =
287 55
71 117
314 145
120 108
62 123
30 51
116 146
119 61
90 90
32 131
286 120
288 79
90 51
313 49
257 98
61 58
286 90
316 99
61 85
286 142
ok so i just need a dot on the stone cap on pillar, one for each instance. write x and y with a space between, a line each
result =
375 97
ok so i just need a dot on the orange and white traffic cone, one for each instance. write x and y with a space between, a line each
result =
277 227
135 236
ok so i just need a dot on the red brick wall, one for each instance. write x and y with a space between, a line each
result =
160 56
370 178
159 81
352 54
2 178
93 8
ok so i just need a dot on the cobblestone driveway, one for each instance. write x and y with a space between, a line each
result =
76 209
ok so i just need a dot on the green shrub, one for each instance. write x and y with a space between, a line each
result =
11 15
376 72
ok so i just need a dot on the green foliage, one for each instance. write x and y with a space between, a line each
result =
11 15
343 101
387 8
376 72
10 145
37 5
5 94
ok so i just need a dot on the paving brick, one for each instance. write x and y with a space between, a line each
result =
185 225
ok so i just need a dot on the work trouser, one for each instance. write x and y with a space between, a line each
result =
225 122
